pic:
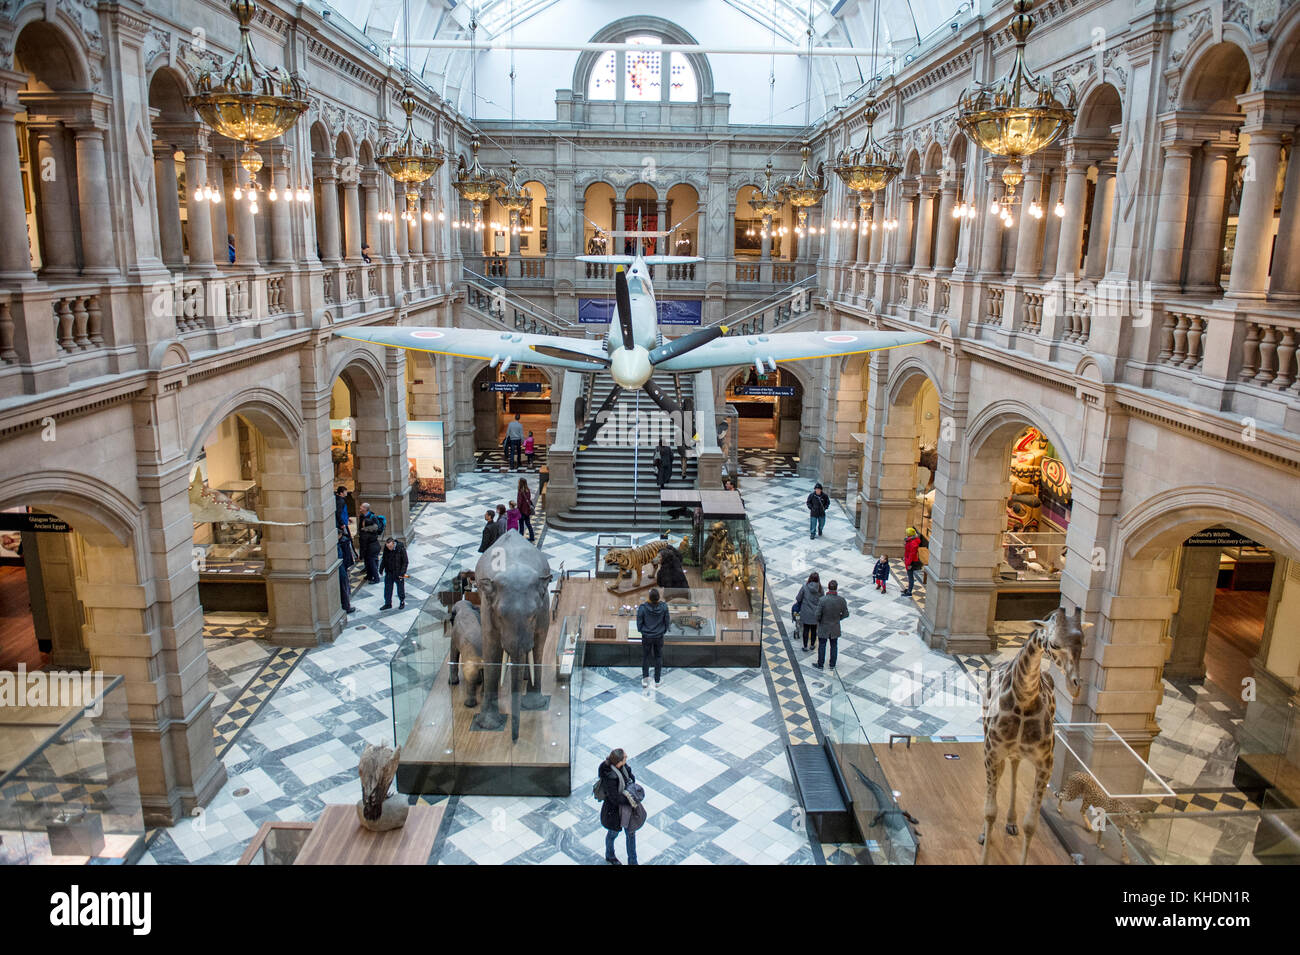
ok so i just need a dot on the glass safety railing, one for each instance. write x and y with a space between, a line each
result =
68 787
885 830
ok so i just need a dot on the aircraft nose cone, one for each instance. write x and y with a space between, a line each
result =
630 367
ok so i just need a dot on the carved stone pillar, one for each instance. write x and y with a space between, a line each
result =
170 240
1076 196
327 235
945 255
1171 214
1251 254
15 254
54 200
1094 267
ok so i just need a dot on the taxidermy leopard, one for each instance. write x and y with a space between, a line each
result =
1121 812
629 559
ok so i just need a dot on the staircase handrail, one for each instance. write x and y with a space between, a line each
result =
776 299
539 312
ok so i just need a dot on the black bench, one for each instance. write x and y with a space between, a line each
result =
827 805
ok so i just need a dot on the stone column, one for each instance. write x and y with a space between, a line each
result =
615 244
198 220
1029 238
280 217
1052 239
877 228
327 236
945 254
415 229
924 255
1076 193
1103 203
351 220
990 261
428 225
15 254
370 199
401 234
218 215
906 226
170 239
1286 260
98 255
1251 254
862 251
1171 215
245 226
54 205
1205 256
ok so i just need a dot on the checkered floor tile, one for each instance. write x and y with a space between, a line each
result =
249 703
218 627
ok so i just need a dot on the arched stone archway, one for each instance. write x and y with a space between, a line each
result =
375 388
1136 625
112 617
969 518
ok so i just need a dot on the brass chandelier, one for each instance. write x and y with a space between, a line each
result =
868 168
803 190
408 159
767 202
514 198
1019 114
249 103
476 185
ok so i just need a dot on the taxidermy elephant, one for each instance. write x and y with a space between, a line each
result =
466 649
512 576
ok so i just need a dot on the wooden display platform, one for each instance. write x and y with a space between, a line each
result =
947 797
444 753
738 642
336 838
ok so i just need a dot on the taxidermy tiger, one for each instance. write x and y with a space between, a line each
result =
629 559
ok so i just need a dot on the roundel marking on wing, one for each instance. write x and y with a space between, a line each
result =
426 333
840 339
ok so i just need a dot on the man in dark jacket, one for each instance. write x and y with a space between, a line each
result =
346 559
341 507
489 531
663 461
652 623
818 504
831 609
370 528
394 566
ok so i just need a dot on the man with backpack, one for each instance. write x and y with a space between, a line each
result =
370 528
819 503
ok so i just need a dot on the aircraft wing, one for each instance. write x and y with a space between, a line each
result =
487 343
789 346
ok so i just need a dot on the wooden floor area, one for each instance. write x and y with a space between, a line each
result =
338 839
1236 631
17 633
444 730
947 797
590 597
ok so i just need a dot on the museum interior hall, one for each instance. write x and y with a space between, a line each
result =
706 432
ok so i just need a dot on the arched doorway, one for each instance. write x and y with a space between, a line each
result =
535 224
769 410
1207 594
523 390
641 211
41 614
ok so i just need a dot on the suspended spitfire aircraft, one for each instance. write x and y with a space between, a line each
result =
633 349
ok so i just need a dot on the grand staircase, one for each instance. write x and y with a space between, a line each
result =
605 471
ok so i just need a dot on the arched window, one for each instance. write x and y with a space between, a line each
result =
648 75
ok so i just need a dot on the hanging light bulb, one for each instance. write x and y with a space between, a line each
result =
272 196
1060 210
238 193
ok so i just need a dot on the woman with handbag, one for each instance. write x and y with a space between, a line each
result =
806 607
622 809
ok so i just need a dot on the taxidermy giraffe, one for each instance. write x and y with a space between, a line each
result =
1019 706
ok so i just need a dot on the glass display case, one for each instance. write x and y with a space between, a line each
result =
453 740
68 788
887 838
1038 555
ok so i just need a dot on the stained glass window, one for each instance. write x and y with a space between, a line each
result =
682 88
603 83
643 72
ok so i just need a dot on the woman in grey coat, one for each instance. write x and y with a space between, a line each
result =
809 597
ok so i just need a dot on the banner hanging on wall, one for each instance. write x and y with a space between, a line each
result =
598 311
424 455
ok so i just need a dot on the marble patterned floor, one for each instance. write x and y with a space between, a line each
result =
708 745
